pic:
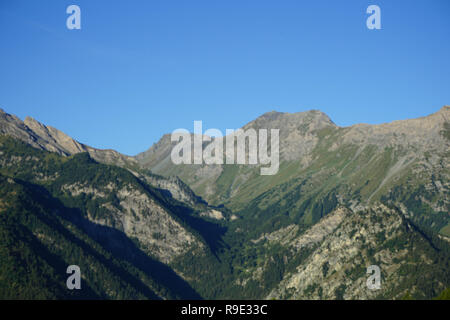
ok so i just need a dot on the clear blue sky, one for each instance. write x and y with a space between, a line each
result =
138 69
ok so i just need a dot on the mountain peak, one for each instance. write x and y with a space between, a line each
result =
31 120
313 119
271 114
33 123
445 111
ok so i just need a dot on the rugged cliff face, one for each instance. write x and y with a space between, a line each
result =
139 216
346 242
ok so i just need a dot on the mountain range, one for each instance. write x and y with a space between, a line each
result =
141 227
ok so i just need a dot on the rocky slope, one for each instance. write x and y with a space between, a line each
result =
108 196
131 220
48 138
345 243
39 239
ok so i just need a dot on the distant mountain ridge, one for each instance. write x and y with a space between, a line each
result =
48 138
344 198
301 136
